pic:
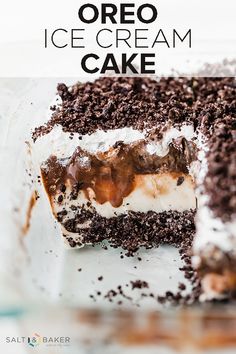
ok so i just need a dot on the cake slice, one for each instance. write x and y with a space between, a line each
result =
129 159
215 242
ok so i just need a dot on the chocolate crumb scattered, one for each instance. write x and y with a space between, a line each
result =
180 180
62 188
182 286
60 198
139 284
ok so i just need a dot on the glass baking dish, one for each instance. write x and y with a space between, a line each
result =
43 282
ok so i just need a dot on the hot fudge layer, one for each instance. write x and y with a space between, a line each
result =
127 157
115 176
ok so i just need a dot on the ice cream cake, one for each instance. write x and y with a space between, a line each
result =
132 160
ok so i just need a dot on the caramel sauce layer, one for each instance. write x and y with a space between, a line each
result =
112 175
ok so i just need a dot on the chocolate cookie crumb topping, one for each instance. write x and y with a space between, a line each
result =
209 104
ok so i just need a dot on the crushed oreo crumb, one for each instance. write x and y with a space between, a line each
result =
153 228
180 180
139 284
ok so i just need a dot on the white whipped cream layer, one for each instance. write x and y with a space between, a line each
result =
63 144
212 230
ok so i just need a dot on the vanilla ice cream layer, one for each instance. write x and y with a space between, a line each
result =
157 192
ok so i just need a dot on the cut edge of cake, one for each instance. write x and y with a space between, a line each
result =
99 141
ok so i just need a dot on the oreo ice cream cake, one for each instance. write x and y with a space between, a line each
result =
131 160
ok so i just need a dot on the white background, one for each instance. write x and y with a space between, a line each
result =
22 25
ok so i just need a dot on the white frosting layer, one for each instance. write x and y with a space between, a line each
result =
62 144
